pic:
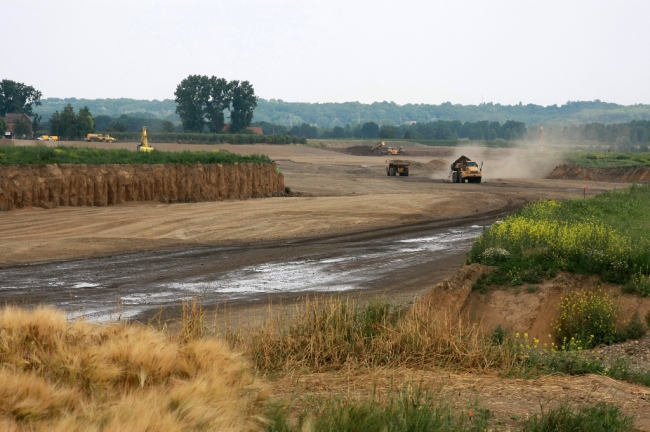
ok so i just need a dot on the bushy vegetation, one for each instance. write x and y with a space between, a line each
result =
609 159
332 334
606 234
84 155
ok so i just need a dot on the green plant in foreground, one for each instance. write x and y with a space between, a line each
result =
415 410
601 417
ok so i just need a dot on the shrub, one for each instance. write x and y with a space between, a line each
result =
587 319
639 284
647 318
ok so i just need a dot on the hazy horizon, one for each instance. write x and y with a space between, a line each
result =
463 52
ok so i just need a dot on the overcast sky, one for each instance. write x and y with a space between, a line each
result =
543 52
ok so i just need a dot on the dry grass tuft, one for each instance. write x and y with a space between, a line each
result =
56 375
334 333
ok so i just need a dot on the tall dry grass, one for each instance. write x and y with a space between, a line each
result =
61 376
334 333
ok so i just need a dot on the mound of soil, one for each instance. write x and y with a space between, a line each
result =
360 151
627 175
436 165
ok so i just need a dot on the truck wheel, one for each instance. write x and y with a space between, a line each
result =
453 176
387 172
406 172
478 180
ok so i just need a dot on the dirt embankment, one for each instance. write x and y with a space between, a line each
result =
50 186
530 308
627 175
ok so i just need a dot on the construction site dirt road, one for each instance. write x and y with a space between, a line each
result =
347 227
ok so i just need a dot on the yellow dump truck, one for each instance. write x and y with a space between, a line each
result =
99 137
396 166
395 151
464 169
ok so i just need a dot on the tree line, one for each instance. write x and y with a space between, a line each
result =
201 102
437 130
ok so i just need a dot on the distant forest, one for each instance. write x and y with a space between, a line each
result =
329 115
572 122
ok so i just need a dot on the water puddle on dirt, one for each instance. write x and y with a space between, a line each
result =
102 289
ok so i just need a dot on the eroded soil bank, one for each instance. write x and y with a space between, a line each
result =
626 175
50 186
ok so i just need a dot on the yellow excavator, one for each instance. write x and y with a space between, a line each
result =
396 151
377 148
144 141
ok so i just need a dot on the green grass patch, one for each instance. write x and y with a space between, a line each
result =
601 417
19 155
413 411
608 160
606 235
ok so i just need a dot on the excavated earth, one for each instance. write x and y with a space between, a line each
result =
49 186
626 175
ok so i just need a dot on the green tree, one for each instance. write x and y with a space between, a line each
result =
338 132
69 125
192 96
22 128
84 123
244 102
220 97
167 126
370 130
3 126
387 132
16 97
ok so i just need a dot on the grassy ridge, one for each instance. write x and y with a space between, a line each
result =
84 155
609 160
606 235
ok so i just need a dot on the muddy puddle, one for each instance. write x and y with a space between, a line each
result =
132 285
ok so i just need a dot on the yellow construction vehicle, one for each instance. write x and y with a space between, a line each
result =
397 167
464 169
99 137
144 141
395 151
377 148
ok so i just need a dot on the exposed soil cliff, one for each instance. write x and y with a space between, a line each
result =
628 175
51 186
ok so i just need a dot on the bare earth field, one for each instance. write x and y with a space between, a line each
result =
337 193
344 207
